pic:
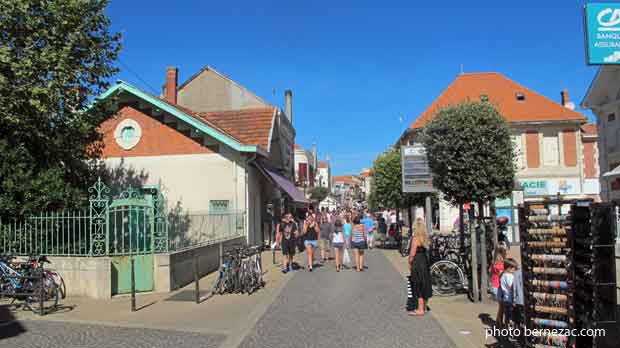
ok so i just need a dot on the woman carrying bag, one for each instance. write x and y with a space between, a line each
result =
421 287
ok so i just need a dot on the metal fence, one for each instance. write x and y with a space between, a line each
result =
133 223
67 233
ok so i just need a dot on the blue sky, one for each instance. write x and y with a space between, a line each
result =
355 67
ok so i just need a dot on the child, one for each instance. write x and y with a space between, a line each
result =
506 285
496 269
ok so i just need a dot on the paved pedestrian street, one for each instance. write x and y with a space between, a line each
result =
70 335
319 309
346 309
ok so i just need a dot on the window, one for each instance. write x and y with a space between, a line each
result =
611 117
484 98
520 96
551 153
127 134
218 206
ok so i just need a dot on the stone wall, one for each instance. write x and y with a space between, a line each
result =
85 276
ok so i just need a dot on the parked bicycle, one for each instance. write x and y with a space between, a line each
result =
449 265
49 275
241 272
21 281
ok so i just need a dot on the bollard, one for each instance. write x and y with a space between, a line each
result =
196 280
133 286
273 255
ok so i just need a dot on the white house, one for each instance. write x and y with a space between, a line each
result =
213 146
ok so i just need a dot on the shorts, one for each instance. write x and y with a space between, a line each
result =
338 245
324 244
314 243
288 247
494 293
359 245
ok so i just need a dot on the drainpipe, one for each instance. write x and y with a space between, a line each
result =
247 196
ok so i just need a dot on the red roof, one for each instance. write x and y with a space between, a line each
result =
251 126
299 147
502 92
346 179
589 129
247 126
366 173
323 164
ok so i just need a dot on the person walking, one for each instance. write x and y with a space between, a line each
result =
369 223
420 267
327 228
358 242
285 237
311 234
347 237
338 242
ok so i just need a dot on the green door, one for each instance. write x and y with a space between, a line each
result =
131 237
121 273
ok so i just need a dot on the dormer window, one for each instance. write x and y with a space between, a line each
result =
484 98
520 96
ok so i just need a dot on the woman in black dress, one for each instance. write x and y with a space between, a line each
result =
419 263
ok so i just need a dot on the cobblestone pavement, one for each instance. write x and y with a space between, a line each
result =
45 334
346 309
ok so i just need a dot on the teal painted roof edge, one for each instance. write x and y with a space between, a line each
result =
223 138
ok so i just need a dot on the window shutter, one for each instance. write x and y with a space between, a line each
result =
570 147
532 149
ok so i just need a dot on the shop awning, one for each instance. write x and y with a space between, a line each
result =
283 183
612 173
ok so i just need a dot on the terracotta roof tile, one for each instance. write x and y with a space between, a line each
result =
251 126
247 126
323 164
346 179
589 128
501 91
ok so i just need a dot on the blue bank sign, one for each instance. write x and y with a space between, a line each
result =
603 33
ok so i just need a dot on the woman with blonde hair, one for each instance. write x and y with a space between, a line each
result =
422 289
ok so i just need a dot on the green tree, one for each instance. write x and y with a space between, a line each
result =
470 153
387 186
319 193
55 55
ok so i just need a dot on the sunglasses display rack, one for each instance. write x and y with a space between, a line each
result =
548 284
593 267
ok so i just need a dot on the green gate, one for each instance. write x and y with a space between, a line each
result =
131 225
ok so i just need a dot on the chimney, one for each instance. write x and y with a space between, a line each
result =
565 99
288 99
172 79
315 160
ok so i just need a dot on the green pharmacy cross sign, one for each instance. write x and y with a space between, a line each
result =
602 28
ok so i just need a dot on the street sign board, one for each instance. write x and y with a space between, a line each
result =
602 28
416 174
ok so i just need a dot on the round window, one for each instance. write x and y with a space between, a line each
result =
128 133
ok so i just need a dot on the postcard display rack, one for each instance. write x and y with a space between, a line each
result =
561 261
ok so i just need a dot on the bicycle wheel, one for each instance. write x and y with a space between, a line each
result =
216 283
447 278
60 282
49 301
